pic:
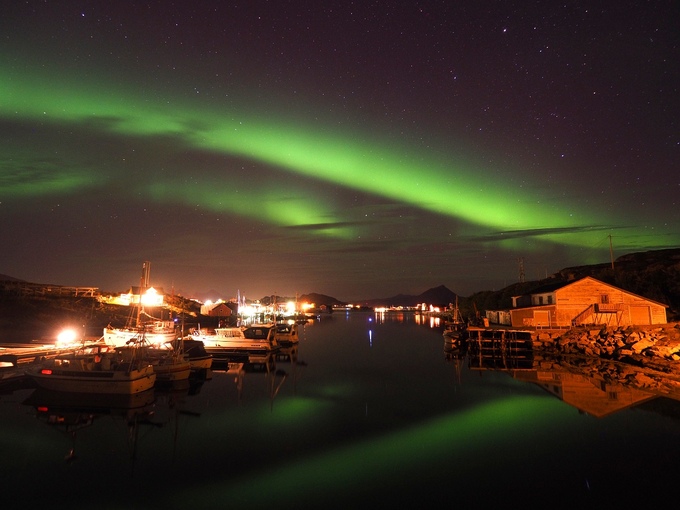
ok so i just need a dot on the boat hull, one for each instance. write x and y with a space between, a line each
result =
287 334
226 342
170 372
105 382
157 334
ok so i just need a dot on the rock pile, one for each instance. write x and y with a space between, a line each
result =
656 347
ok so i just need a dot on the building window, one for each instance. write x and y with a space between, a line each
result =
604 299
550 300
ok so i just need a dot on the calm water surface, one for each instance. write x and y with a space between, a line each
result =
368 411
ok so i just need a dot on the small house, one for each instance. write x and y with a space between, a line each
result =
219 309
582 302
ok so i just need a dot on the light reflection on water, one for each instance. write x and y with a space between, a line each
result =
370 409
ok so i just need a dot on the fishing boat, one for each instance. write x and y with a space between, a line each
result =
195 352
169 364
94 369
155 331
454 329
167 360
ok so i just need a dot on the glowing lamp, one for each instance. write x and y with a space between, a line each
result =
66 337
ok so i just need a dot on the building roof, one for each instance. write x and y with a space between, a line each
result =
553 287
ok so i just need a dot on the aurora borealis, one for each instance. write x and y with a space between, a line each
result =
353 149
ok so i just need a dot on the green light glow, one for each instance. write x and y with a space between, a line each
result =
467 435
444 184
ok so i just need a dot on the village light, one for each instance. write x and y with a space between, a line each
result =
152 298
66 337
290 307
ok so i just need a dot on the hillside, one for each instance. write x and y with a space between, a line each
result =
439 296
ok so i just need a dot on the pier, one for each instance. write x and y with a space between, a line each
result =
500 348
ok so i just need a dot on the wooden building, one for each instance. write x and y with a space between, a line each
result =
583 302
220 309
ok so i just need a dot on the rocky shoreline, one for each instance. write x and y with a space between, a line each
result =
654 347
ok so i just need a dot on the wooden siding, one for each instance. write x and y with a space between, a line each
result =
590 301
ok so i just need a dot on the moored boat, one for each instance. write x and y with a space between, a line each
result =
94 370
287 334
155 333
195 353
169 365
227 342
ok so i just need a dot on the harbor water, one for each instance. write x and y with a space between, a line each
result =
368 409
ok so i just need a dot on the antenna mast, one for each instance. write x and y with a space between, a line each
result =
611 251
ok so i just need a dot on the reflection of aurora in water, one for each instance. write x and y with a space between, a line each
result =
384 421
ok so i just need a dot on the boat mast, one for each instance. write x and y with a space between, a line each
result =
143 284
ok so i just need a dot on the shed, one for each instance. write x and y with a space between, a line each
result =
586 301
220 309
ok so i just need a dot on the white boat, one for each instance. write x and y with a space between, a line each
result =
226 342
9 368
287 334
94 370
155 333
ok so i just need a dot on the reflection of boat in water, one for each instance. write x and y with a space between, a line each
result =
92 369
287 354
100 404
70 412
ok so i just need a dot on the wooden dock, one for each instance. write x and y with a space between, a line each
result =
500 348
27 353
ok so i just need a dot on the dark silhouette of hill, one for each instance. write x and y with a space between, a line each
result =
438 296
319 299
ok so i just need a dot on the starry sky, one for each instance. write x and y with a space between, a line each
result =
355 149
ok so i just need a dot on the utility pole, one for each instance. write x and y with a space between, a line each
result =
521 269
611 251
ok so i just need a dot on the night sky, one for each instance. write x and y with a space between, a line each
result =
356 149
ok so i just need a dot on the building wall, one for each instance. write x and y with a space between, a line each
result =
590 302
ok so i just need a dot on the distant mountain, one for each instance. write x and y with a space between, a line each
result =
5 278
319 299
438 296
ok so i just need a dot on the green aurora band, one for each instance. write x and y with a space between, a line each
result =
433 182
